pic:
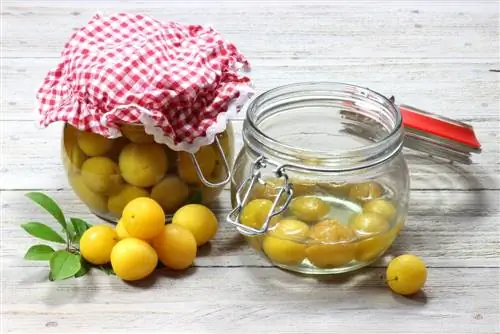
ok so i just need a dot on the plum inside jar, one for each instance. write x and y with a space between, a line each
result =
106 174
327 226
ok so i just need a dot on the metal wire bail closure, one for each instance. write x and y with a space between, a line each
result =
226 168
234 216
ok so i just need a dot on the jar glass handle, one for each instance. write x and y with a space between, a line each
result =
225 163
234 216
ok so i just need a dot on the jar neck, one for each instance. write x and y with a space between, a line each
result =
354 112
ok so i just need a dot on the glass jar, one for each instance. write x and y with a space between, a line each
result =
320 185
108 173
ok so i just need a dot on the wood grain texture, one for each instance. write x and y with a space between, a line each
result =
249 300
276 30
436 55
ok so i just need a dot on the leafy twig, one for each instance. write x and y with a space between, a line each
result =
63 263
51 207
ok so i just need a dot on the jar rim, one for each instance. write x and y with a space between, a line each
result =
363 156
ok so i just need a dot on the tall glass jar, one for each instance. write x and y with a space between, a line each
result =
106 174
320 185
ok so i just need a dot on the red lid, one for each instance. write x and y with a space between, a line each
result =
439 126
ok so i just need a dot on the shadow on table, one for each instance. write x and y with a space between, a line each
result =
365 287
160 274
432 174
73 290
84 289
445 190
204 250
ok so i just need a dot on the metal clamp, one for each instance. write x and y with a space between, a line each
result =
234 216
226 168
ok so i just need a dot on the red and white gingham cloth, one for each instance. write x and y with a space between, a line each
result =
181 82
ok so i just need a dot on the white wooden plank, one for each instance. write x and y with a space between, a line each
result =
412 81
250 300
448 229
282 30
33 160
436 55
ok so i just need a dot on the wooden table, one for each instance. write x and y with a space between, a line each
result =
441 57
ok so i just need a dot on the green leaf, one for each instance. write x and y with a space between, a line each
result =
39 253
80 226
196 198
84 269
107 269
43 232
63 265
49 205
70 232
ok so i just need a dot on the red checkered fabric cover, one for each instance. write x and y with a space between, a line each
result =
182 82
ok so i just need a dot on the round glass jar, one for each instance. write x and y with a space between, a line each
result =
320 185
106 174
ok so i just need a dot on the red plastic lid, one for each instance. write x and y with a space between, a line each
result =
439 126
